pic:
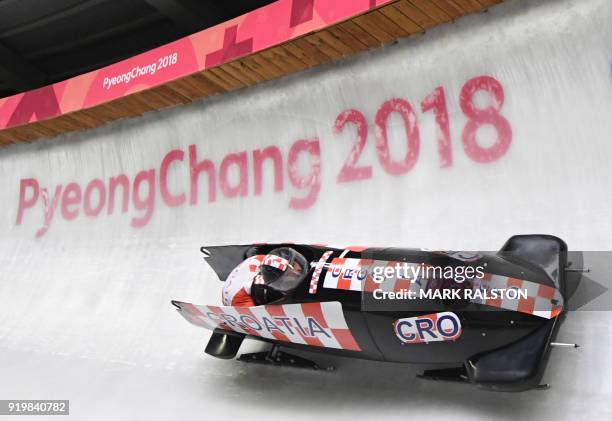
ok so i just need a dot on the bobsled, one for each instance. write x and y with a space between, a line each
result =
484 318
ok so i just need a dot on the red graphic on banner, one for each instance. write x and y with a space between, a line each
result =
231 49
301 11
40 102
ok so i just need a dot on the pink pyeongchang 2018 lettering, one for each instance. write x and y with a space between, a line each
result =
139 196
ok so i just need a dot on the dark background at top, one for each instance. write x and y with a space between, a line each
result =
45 41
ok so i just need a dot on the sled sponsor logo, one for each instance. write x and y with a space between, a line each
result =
435 327
347 273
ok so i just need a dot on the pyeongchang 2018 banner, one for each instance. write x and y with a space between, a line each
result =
464 128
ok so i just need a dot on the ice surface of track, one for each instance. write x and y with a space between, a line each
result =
85 312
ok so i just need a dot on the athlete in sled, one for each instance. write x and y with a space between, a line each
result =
261 279
490 317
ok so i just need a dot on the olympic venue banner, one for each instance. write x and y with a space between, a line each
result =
262 28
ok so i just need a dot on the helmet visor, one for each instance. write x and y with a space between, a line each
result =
283 269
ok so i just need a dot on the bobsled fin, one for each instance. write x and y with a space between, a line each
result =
223 259
192 314
547 252
516 367
224 344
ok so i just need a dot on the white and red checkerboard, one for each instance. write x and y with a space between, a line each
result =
314 281
353 274
542 300
315 324
276 262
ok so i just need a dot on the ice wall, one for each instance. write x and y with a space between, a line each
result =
496 125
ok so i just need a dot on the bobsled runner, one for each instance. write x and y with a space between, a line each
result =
486 318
